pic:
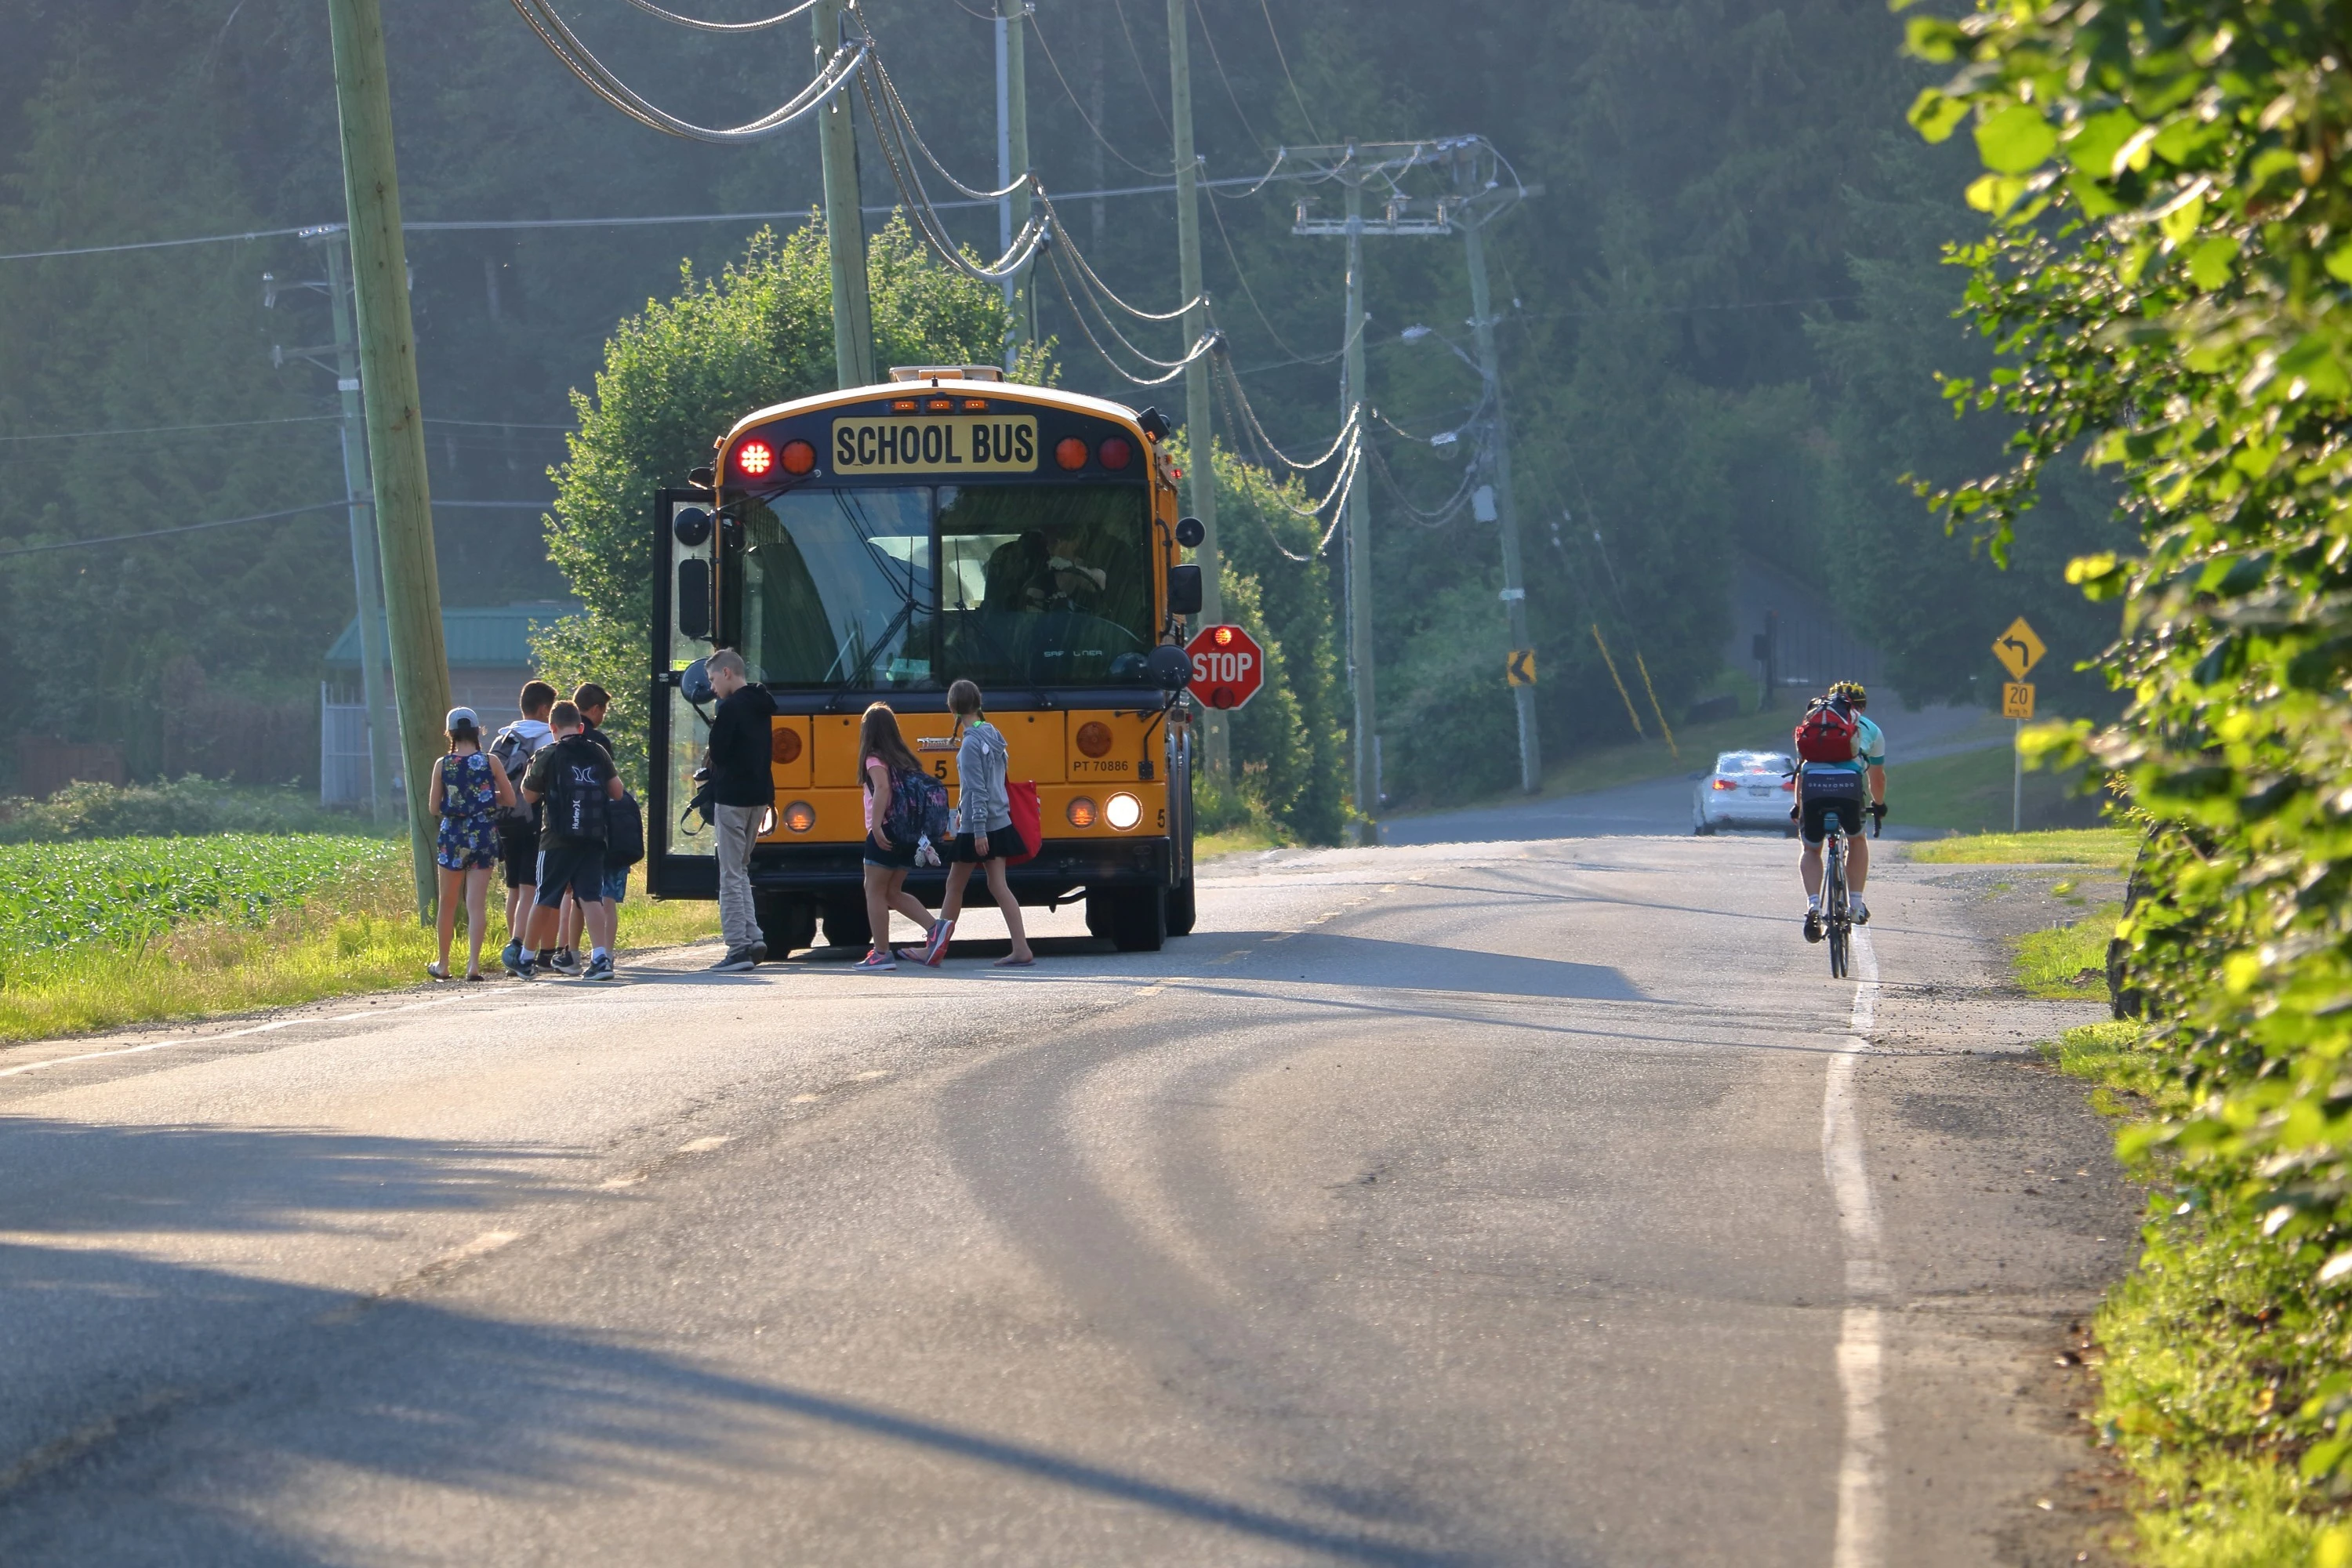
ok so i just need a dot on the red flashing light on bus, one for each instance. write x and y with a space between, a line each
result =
799 456
755 457
1114 453
1223 637
1070 452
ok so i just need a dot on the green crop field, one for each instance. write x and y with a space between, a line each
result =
123 893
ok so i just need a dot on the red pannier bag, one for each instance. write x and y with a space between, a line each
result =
1026 820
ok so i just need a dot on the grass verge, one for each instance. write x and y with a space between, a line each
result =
2068 962
1969 792
354 934
1235 841
2110 848
2210 1346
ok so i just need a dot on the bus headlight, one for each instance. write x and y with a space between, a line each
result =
1123 811
1082 812
799 816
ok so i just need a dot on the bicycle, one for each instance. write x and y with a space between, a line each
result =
1837 910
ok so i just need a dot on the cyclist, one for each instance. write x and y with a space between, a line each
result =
1842 789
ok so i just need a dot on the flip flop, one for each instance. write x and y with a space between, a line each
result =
437 972
1009 961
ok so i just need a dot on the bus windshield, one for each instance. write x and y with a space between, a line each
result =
912 587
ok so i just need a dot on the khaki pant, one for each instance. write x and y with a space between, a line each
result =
739 829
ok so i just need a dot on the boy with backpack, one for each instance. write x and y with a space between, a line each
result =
572 782
514 747
624 847
1841 773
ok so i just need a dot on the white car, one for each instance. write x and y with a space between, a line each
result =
1747 789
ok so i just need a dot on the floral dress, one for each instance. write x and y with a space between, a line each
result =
469 839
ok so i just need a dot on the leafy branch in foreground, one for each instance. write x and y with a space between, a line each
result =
2168 280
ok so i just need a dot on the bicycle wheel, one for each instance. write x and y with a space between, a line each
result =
1835 914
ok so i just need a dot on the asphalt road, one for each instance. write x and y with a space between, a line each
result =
1489 1203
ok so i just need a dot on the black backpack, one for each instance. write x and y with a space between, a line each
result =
624 836
575 791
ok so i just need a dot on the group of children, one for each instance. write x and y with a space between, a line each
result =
535 799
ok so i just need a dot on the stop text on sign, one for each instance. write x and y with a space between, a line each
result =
1228 666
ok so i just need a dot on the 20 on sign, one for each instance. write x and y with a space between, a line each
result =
930 445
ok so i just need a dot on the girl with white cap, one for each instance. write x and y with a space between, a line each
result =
472 789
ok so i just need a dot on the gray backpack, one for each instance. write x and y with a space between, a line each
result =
514 753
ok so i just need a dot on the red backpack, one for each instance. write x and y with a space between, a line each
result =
1828 734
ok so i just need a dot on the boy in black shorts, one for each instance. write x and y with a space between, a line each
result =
570 781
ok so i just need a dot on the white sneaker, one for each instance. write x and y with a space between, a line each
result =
1861 911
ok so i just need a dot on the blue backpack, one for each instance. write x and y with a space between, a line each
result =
918 809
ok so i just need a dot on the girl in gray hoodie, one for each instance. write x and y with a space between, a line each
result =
986 830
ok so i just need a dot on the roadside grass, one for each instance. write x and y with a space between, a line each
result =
2208 1350
2109 848
1235 841
2067 962
348 934
1968 792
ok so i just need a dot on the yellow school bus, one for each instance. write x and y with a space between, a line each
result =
878 544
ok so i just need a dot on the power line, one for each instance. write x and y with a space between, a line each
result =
703 27
172 429
259 517
1208 36
1141 74
1295 96
1072 94
564 44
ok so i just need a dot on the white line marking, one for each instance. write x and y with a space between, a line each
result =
209 1039
1860 1505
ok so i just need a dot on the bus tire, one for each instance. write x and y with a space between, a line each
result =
1138 920
1098 914
786 924
1181 908
845 925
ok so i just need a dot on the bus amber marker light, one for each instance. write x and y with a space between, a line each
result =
755 457
1082 812
1123 812
1070 452
799 816
1094 737
799 456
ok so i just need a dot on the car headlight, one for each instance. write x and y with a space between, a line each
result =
1123 811
1081 813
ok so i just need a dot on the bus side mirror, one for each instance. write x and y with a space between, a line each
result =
694 600
1183 590
1168 668
1189 532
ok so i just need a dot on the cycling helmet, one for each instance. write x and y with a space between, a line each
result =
1851 690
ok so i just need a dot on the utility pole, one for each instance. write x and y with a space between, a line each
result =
1360 535
1199 432
1354 165
1497 453
844 225
364 550
395 427
1012 159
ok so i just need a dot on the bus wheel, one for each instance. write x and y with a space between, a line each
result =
786 924
845 925
1179 909
1098 914
1138 919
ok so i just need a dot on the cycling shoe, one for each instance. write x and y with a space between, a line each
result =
1813 925
1861 912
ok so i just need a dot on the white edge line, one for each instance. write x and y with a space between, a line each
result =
1861 1350
225 1035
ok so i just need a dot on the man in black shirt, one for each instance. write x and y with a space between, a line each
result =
742 791
571 779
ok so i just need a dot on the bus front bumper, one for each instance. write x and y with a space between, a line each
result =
1064 868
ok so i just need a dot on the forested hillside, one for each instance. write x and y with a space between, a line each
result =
1724 312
